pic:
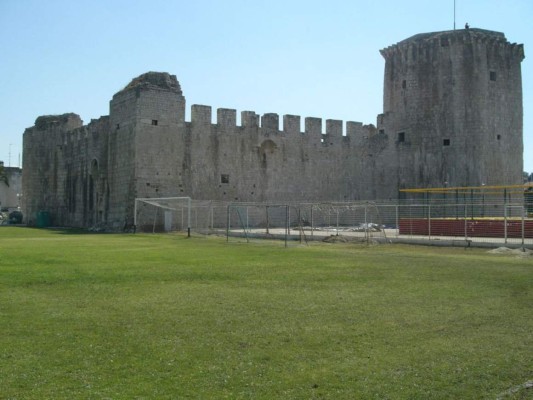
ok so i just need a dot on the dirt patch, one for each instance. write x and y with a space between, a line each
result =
335 239
348 239
521 252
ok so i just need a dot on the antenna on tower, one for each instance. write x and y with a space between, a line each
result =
9 159
453 14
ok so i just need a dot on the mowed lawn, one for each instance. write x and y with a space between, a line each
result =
104 316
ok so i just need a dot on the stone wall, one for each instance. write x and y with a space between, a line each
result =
64 170
10 194
453 104
452 117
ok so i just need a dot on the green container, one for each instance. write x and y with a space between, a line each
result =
43 219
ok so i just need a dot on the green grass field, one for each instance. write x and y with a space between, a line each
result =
102 316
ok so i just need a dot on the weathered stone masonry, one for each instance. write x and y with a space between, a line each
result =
452 116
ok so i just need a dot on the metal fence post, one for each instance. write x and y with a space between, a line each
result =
397 220
267 222
337 222
429 221
505 221
189 217
312 222
287 224
523 225
227 223
212 217
466 226
288 220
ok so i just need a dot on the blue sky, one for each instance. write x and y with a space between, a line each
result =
309 58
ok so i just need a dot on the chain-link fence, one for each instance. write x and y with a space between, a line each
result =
467 222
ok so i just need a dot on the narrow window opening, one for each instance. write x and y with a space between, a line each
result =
118 126
498 137
382 131
492 75
401 137
154 122
404 84
446 142
224 178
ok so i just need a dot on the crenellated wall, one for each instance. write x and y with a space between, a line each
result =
452 116
257 161
89 175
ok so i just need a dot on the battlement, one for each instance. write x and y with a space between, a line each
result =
473 32
445 39
95 127
68 121
270 122
226 117
291 124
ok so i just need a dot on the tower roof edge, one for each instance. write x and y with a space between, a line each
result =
155 80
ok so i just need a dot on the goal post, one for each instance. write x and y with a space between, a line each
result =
171 204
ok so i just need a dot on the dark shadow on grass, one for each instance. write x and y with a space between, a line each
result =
59 230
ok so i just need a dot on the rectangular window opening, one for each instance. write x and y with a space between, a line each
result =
224 178
154 122
492 75
401 137
446 142
498 137
382 131
404 84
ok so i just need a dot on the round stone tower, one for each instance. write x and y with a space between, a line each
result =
452 104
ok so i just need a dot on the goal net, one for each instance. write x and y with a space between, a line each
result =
163 214
180 214
360 221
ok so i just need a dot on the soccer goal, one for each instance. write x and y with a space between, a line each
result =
352 220
258 220
163 214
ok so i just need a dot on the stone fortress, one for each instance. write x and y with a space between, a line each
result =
10 191
452 116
